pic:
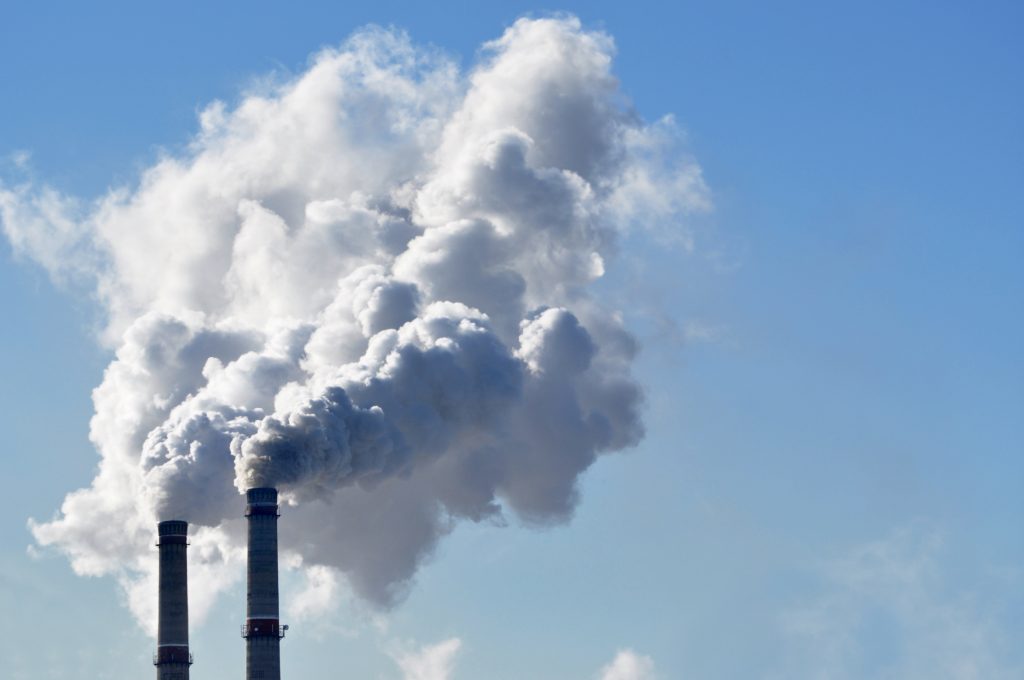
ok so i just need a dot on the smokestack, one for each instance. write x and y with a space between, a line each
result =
262 630
172 657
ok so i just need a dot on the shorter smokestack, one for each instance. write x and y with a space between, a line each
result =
172 657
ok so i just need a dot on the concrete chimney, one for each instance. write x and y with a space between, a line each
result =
262 630
172 657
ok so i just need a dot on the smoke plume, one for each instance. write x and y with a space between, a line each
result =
370 285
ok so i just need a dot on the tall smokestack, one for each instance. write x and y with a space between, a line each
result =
172 657
262 630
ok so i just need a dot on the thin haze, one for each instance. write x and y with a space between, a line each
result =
368 285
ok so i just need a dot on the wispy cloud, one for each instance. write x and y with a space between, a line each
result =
889 609
431 662
437 662
318 595
628 665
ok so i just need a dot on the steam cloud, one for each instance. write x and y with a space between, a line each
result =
370 286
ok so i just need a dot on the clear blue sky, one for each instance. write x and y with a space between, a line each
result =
839 457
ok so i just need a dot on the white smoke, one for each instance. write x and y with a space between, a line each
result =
370 286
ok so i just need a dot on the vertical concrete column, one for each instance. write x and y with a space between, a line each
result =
262 630
172 657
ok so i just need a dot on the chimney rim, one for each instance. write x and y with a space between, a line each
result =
172 527
261 495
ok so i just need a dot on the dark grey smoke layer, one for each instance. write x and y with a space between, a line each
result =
368 285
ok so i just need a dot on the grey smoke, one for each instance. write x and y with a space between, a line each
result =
369 285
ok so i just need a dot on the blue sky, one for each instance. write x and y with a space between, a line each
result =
830 481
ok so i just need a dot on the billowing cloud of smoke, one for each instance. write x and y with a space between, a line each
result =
370 286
